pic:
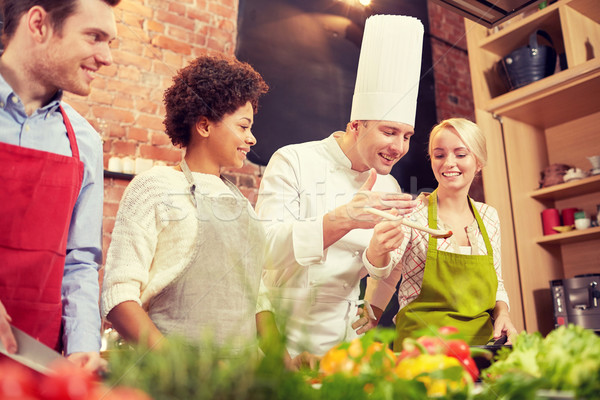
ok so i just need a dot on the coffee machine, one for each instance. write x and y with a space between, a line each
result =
576 301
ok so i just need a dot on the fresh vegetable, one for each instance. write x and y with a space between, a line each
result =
64 382
16 382
446 341
568 359
440 374
364 355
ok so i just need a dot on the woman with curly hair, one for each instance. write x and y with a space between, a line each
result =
187 250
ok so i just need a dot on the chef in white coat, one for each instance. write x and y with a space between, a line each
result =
312 196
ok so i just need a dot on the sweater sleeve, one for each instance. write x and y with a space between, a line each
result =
132 247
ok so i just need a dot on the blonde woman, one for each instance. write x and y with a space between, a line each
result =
455 281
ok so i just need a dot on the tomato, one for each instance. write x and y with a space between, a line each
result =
407 354
67 382
458 348
16 381
433 345
469 365
447 330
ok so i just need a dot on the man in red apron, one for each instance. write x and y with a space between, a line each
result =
51 181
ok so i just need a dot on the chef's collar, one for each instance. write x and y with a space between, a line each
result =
338 155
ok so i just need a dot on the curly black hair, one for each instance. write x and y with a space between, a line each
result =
211 86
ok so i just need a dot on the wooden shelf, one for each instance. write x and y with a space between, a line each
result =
564 96
118 175
569 189
574 236
517 34
553 120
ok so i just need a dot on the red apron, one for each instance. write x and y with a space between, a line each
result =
38 191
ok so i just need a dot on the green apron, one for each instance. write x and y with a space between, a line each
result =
458 290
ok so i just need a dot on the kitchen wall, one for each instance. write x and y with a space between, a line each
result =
157 37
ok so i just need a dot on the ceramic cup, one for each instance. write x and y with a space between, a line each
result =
582 223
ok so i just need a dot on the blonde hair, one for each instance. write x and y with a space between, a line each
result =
468 132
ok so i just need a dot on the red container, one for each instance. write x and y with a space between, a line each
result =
568 216
550 219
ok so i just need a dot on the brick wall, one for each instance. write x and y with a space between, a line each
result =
454 97
453 92
158 37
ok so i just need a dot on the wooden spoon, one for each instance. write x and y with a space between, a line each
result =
436 233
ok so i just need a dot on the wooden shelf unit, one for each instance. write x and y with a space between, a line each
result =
553 120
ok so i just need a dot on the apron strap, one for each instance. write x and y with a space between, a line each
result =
188 175
486 239
432 221
70 133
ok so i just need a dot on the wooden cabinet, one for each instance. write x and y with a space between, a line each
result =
553 120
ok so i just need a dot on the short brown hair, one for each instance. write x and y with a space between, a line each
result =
58 10
211 86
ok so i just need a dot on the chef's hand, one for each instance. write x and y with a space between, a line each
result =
89 361
365 322
355 211
302 360
6 336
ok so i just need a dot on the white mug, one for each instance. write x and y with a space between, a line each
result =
582 223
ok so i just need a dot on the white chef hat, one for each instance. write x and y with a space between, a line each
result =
387 81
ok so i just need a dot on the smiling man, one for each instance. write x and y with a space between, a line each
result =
51 175
313 195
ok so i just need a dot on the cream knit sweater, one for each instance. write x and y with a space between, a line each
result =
154 235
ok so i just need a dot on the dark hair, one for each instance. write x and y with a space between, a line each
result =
58 10
211 86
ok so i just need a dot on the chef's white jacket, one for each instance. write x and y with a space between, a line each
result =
315 291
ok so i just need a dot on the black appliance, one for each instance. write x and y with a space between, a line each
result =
576 301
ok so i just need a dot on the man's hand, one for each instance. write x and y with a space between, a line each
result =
90 361
353 215
365 198
365 322
6 336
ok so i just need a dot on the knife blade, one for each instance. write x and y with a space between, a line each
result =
33 353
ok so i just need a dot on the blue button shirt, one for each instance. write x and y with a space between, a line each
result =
45 130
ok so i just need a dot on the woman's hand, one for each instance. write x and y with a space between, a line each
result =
502 323
387 236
